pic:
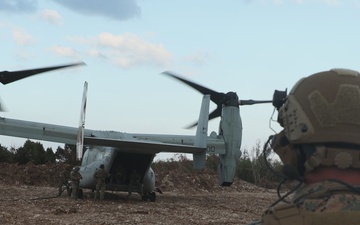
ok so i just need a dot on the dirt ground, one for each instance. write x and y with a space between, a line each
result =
28 196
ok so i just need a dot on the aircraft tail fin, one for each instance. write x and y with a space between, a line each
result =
201 133
80 135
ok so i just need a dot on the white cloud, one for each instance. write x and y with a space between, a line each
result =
21 37
126 50
96 54
64 51
50 16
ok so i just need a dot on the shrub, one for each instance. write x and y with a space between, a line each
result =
254 169
6 156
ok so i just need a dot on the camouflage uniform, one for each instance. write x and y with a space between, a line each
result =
75 178
64 177
320 142
320 197
135 182
325 203
100 175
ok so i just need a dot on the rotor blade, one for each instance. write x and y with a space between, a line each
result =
214 114
9 77
251 102
218 98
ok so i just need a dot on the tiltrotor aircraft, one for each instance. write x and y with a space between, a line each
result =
124 153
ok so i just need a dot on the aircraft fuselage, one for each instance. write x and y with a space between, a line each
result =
119 165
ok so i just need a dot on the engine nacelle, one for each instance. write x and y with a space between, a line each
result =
231 131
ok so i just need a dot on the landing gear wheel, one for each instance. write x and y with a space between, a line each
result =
145 197
152 196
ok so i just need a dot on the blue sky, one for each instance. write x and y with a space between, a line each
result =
251 47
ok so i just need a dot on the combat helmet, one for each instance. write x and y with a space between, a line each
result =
321 114
76 168
324 107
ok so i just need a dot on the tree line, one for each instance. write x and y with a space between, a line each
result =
34 152
251 167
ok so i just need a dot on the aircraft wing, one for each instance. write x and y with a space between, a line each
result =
38 131
68 135
141 146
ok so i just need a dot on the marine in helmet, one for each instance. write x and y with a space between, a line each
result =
320 147
135 183
75 178
100 175
64 177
